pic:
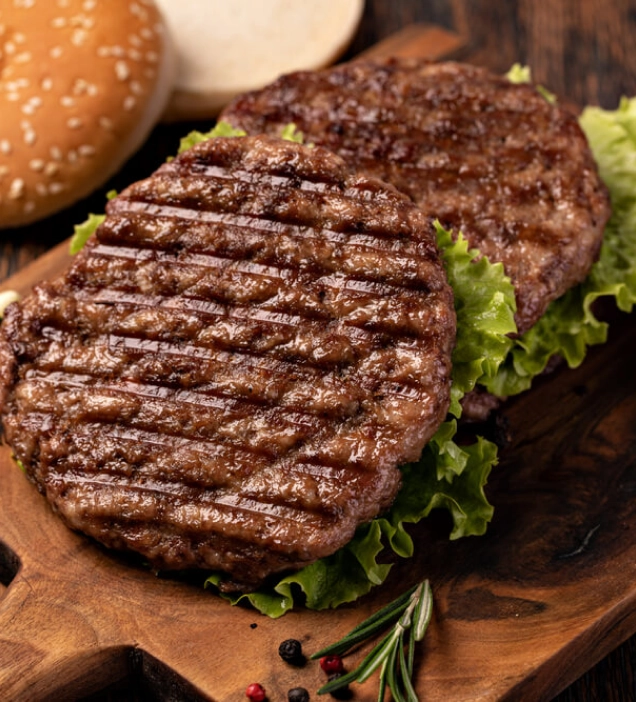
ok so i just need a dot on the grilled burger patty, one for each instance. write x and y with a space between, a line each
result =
232 369
483 155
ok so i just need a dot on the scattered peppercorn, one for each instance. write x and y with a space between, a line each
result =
291 651
343 693
298 694
331 664
255 692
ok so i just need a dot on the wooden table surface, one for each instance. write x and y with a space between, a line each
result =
583 50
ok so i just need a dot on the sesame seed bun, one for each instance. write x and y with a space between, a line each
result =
226 48
82 82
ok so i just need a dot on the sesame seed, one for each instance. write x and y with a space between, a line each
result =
135 55
152 56
92 89
24 57
56 153
136 88
13 97
28 108
67 101
41 189
5 147
19 37
80 86
86 150
9 47
74 123
134 40
105 123
4 170
46 84
121 70
55 188
55 52
16 189
36 164
71 156
51 169
129 102
30 137
58 22
103 51
146 33
63 3
29 206
79 37
89 5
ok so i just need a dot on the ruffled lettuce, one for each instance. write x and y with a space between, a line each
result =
485 307
447 476
569 326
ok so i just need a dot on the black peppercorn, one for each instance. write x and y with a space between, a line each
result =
291 651
343 693
298 694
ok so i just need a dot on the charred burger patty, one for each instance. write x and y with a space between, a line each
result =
233 368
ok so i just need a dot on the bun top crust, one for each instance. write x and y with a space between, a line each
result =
82 82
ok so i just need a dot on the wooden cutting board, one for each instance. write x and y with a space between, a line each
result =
519 613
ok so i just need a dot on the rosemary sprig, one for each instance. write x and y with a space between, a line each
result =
394 654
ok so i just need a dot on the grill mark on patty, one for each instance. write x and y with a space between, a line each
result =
146 361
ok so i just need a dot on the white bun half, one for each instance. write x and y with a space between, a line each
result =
225 48
82 83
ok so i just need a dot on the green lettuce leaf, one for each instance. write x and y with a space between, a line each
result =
221 129
83 232
522 74
569 326
447 476
224 129
291 132
485 307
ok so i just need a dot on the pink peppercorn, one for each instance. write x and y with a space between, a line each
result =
331 664
255 692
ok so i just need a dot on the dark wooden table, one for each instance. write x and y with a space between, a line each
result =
583 50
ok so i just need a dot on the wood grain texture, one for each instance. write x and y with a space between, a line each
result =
555 572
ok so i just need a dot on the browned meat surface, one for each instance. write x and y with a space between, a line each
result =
233 368
493 159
